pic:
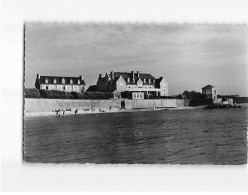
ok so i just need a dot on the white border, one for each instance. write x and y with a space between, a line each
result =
17 176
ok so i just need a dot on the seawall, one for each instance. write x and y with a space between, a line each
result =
158 103
48 105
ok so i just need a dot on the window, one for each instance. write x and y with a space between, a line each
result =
46 87
154 81
128 80
71 81
63 87
63 81
79 82
46 80
54 81
144 80
149 80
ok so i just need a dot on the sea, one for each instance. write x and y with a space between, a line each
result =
186 136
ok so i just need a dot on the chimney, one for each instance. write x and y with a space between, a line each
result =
100 76
106 75
81 77
138 74
132 72
112 74
38 76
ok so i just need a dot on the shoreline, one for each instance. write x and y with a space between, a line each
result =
82 112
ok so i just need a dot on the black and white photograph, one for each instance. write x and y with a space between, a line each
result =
124 96
110 93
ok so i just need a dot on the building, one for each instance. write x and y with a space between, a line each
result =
210 92
139 84
67 84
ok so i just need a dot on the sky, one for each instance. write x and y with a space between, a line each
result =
188 56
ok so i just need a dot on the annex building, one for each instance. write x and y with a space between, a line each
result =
210 92
138 84
67 84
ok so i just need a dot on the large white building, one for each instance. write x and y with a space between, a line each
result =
138 84
67 84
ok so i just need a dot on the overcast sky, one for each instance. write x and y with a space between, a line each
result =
188 56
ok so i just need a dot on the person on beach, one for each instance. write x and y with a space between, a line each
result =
76 111
57 111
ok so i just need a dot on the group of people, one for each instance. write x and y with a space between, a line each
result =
61 112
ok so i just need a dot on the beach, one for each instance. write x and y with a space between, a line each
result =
97 111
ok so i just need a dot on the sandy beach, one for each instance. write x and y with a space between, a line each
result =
97 111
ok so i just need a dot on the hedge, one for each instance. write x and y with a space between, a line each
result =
54 94
32 93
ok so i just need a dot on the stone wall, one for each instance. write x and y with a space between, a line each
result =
217 100
48 105
158 103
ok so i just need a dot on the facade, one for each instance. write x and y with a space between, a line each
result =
138 84
67 84
210 92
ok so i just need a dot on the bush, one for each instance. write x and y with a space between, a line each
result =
31 93
54 94
98 95
193 95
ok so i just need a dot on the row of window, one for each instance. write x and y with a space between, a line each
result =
130 86
209 91
137 95
144 80
63 81
60 87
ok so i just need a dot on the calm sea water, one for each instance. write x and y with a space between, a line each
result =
197 136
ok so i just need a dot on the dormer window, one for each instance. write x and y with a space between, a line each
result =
54 81
46 80
79 82
128 80
149 80
144 80
153 80
63 81
71 82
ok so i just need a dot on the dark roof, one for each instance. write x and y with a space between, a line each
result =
208 86
157 82
126 75
92 88
59 80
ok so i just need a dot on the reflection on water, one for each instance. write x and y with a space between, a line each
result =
156 137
